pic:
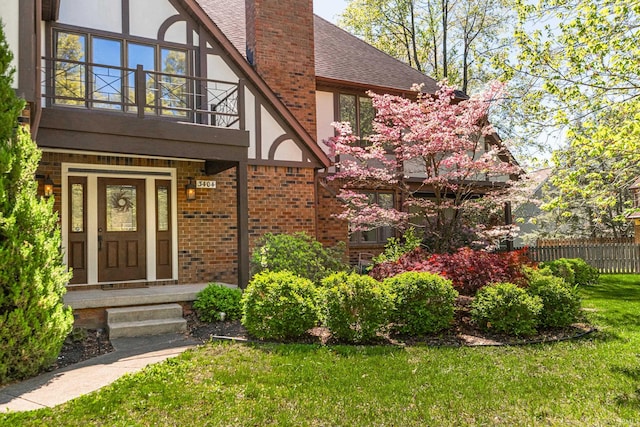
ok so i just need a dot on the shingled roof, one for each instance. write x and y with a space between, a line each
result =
339 56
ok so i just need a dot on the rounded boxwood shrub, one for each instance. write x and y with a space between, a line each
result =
354 307
424 302
279 305
584 274
504 307
216 298
560 302
560 268
574 271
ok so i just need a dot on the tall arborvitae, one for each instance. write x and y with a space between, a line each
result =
33 319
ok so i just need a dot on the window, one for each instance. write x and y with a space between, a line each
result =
359 112
90 71
378 235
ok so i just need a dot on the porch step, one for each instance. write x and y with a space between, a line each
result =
145 320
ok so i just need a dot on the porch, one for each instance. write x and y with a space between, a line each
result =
90 306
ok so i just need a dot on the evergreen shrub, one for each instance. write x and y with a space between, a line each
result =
216 298
279 305
507 308
355 308
33 319
424 303
575 271
560 301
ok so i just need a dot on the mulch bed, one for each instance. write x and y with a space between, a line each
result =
82 344
463 333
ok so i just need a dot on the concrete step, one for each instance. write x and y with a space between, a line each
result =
146 327
147 312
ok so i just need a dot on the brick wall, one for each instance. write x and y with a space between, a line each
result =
280 42
281 200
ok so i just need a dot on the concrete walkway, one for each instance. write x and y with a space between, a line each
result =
56 387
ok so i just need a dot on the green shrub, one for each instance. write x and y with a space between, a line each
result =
279 305
504 307
214 299
560 268
298 253
354 307
33 319
584 273
395 248
424 302
560 302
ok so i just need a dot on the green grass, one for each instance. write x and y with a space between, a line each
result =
589 382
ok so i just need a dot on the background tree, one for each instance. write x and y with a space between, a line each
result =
442 143
445 39
581 62
33 319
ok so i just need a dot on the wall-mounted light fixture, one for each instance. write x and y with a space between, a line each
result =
48 187
190 190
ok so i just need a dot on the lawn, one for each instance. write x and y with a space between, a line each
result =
592 381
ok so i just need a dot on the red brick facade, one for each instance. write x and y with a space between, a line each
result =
280 44
281 200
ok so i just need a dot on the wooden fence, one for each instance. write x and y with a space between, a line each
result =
606 257
582 242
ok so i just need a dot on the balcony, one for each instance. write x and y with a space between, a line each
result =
143 93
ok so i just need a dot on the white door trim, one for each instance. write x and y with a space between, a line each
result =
92 173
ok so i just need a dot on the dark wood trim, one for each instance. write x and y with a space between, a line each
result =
50 10
168 23
214 167
258 130
242 189
96 131
279 140
29 16
311 165
126 14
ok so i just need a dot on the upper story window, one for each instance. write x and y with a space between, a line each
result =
378 235
99 72
359 112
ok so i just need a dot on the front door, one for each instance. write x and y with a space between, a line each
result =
121 229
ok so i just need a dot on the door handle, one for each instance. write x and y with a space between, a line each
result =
99 243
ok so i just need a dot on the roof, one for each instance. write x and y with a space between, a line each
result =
339 56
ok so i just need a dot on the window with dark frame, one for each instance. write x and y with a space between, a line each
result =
359 112
91 68
379 235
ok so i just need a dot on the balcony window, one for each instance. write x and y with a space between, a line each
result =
107 73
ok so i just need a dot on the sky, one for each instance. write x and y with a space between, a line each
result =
329 9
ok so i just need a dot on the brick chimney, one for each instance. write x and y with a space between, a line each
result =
280 47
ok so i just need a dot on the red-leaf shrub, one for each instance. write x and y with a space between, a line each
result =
469 270
416 260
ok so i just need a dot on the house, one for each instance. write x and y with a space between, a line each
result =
528 214
175 133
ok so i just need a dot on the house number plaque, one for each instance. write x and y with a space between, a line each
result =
205 184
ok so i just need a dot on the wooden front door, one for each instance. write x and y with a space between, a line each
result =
121 229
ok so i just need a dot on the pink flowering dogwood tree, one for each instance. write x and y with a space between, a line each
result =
431 151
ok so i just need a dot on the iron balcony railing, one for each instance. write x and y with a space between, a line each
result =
142 92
